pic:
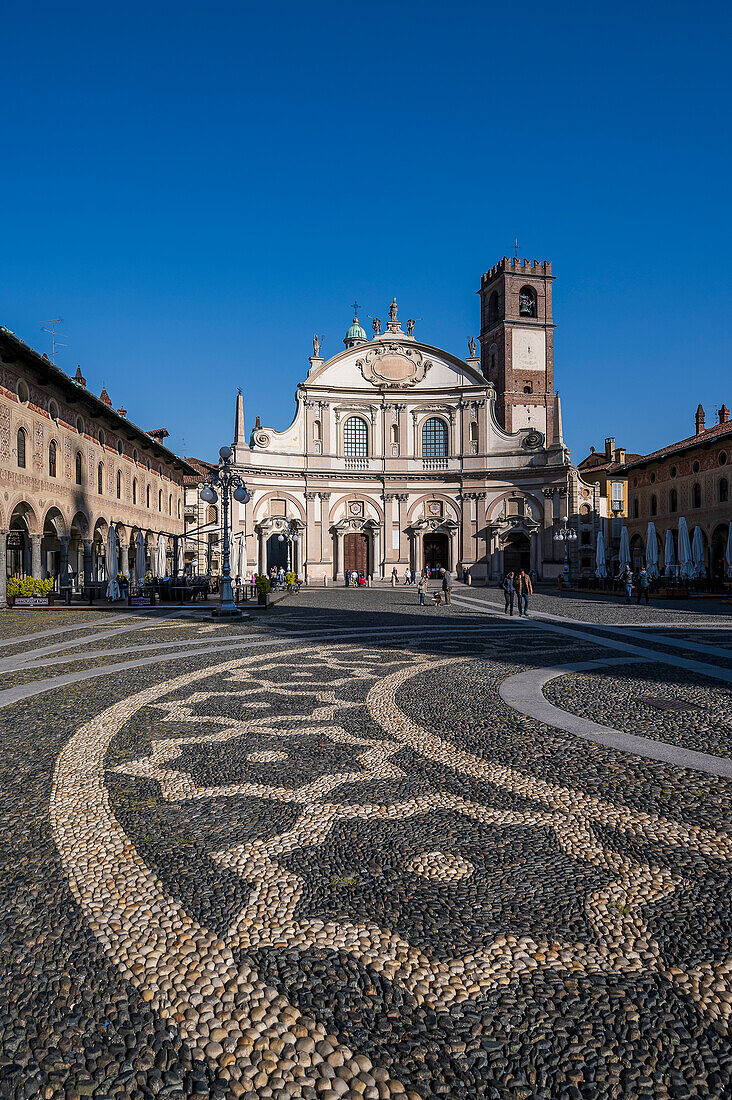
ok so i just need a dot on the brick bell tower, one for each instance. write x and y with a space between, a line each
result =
517 342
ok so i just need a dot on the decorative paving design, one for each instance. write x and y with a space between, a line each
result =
296 746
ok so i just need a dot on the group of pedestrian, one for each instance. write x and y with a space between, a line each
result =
641 581
517 584
443 593
354 578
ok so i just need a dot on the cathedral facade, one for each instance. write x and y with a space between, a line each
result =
403 455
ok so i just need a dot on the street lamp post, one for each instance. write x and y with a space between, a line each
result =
290 534
566 535
225 479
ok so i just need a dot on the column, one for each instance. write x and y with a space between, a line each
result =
481 524
547 535
388 529
124 558
340 573
36 555
3 566
535 559
378 570
453 548
312 550
326 544
403 537
466 509
262 554
63 561
88 544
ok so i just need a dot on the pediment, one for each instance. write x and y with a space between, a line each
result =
392 363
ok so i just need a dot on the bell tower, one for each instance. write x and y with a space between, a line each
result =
517 342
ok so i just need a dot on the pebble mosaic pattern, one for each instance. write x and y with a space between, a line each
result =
349 870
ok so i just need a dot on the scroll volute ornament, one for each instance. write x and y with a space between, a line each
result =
393 365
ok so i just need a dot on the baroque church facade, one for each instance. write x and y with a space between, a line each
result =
403 455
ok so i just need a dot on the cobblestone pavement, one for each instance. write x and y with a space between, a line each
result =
315 854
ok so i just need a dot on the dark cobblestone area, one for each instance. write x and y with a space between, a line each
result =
619 700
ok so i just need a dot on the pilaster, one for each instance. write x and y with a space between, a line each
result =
3 566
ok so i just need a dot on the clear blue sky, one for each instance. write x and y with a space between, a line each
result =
197 188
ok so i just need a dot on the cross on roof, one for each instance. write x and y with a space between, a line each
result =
355 309
516 248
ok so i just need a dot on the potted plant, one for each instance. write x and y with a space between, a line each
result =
30 592
263 590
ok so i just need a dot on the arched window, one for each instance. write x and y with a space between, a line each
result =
527 302
635 508
134 490
179 508
147 496
317 431
212 514
52 458
723 490
493 307
434 438
170 505
78 468
696 495
119 485
474 432
355 438
673 501
160 500
21 448
100 478
654 505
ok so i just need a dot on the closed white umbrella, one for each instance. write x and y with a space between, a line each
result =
600 570
140 558
624 555
111 563
180 563
686 563
651 551
728 553
668 552
242 562
697 553
160 558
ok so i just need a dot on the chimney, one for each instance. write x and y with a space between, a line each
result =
104 396
620 454
609 447
257 423
699 419
79 378
724 415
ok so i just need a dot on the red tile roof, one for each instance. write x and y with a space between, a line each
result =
705 438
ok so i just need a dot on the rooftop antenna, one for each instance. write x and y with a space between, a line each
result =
56 341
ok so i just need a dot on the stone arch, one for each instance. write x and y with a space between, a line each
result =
495 506
28 514
55 517
356 496
278 495
418 504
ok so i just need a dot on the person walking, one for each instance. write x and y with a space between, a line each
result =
508 592
422 589
394 577
626 579
407 576
447 584
348 577
525 589
642 585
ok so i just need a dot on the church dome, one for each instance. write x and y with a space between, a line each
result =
355 334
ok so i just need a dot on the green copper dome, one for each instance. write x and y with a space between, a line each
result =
355 332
